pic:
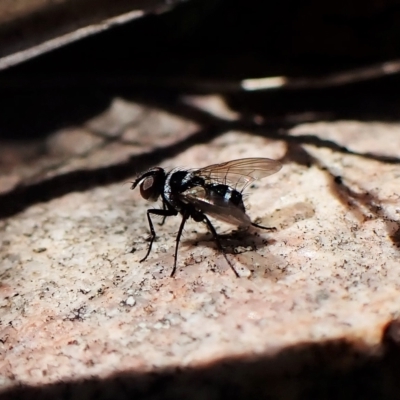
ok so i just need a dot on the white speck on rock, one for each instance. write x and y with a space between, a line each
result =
130 301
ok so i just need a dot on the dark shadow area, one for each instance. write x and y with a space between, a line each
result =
375 100
251 238
220 40
329 370
40 108
37 113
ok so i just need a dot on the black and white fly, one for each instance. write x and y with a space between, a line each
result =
215 190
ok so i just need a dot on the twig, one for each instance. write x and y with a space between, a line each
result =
336 79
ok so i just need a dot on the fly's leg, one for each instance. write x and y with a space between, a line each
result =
165 213
272 228
217 241
164 206
178 238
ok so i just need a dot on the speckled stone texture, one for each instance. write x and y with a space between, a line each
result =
77 304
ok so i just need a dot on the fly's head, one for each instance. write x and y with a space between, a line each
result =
151 183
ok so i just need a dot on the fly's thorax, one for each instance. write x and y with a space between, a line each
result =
179 181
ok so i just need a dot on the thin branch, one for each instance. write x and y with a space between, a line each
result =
337 79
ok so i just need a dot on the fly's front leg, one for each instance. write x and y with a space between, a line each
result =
165 213
164 206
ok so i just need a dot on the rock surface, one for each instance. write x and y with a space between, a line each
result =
76 303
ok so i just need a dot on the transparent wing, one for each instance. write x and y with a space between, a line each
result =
216 207
239 173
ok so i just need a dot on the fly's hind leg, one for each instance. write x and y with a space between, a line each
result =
218 242
272 228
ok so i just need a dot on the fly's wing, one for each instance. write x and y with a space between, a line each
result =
215 206
240 173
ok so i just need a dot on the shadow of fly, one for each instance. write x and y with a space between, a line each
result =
214 191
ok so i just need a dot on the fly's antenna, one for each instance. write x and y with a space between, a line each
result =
126 182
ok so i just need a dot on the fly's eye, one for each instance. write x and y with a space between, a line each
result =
148 189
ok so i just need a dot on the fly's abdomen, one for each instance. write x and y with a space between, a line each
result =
227 193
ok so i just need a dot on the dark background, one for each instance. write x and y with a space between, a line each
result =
211 39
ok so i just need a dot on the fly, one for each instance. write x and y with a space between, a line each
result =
214 191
